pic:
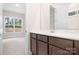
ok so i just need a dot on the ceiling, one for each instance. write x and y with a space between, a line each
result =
15 7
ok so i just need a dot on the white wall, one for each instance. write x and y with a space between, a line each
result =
38 16
44 16
33 16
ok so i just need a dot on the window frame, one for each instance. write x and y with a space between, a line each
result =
14 18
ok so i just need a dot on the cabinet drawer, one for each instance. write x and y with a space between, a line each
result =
62 43
33 35
42 38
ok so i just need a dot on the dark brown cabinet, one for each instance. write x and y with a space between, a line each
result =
42 48
49 45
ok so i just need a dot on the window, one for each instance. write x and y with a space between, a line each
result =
18 25
13 24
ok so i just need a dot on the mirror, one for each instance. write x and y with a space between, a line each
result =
66 16
60 15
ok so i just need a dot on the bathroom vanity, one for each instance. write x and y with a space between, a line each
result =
46 44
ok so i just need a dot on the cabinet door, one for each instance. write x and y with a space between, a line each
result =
76 47
33 46
57 51
62 43
42 48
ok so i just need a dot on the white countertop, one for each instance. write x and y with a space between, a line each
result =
68 34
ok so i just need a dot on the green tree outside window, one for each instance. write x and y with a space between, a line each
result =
18 23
